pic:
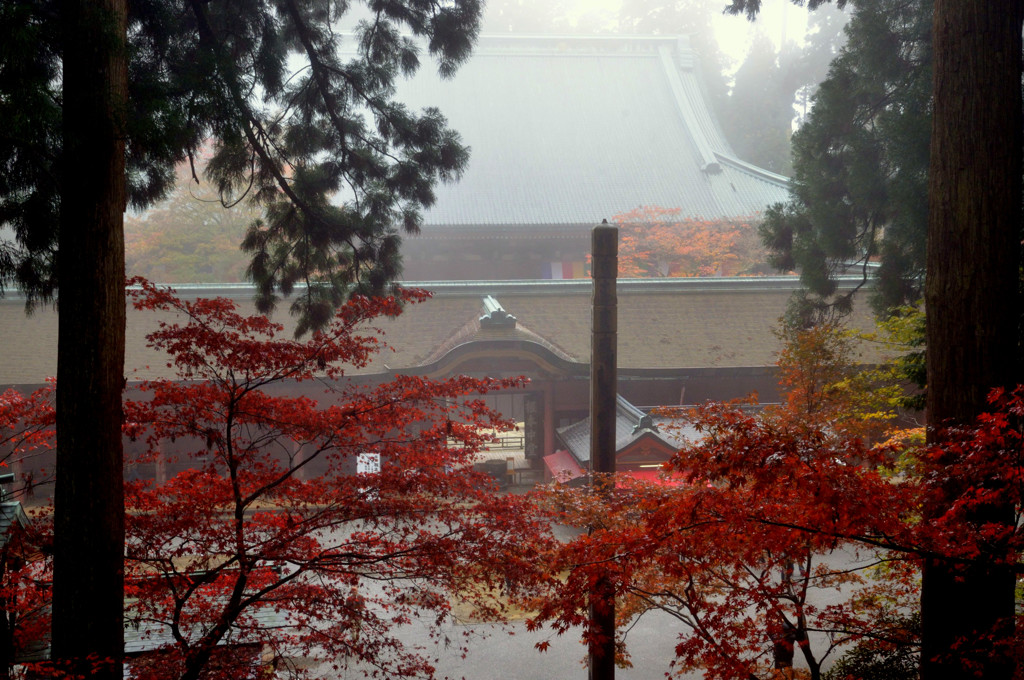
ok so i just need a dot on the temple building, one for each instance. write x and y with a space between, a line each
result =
566 131
681 341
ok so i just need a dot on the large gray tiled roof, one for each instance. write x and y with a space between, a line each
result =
571 130
663 323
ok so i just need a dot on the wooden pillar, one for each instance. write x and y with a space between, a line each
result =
549 417
603 388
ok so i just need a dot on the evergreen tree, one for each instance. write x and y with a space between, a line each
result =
861 159
101 100
973 308
298 112
88 192
759 118
825 36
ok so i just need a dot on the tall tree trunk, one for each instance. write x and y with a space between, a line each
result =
88 592
971 290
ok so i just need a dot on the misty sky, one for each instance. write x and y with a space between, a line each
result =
734 33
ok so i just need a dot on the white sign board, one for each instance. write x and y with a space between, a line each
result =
367 463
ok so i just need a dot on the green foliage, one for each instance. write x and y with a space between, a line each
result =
904 332
302 118
878 660
30 111
821 372
822 378
861 160
809 66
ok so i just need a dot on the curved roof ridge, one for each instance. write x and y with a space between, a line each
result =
698 132
751 169
547 344
473 331
572 129
464 334
628 410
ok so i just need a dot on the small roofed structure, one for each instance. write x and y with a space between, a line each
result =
12 514
146 640
17 551
642 446
12 518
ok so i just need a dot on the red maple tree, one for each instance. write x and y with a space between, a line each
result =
788 533
268 550
26 431
746 551
273 549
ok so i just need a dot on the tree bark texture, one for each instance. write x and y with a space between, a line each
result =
971 291
88 591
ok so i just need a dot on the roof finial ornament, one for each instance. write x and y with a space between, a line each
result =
495 316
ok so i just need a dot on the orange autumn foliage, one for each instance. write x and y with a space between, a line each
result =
661 242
